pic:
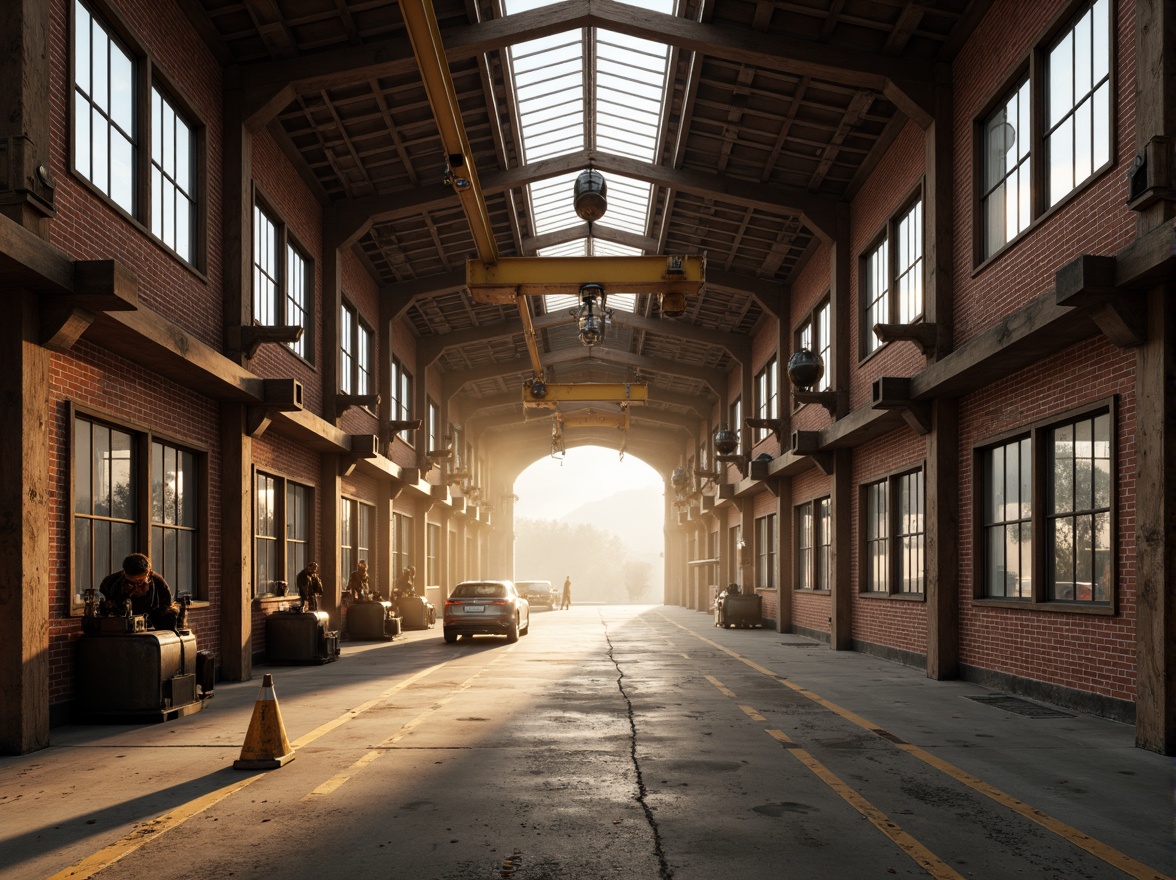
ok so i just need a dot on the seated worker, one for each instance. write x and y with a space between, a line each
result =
404 585
147 592
357 584
310 586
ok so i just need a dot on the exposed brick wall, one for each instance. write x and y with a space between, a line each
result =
1094 220
1091 653
133 398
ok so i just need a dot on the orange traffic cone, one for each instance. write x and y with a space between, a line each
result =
266 746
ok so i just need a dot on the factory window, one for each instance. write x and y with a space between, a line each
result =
112 466
401 542
893 533
433 553
159 188
765 551
281 279
767 400
175 516
356 352
401 395
1069 91
892 277
815 334
433 426
106 510
357 525
813 543
298 522
1072 563
279 554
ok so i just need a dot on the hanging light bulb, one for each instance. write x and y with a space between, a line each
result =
590 195
590 318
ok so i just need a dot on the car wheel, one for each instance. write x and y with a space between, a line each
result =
450 636
512 634
526 629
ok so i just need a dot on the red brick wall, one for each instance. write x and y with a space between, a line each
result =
404 347
129 396
1092 653
1094 220
809 609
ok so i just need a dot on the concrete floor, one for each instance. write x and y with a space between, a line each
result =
610 742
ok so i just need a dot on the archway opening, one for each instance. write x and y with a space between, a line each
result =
594 517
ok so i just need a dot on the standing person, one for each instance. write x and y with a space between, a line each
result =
566 602
310 586
146 591
357 584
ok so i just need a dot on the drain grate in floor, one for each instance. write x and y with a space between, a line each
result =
1020 706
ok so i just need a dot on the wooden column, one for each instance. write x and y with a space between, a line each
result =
384 577
942 534
329 537
938 193
1155 515
841 553
24 531
236 544
784 564
237 204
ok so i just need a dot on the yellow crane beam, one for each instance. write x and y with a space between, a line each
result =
583 392
506 279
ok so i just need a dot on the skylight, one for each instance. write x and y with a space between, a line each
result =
627 94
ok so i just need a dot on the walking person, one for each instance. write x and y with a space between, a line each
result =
566 602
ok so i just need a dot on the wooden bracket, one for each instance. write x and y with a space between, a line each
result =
740 462
247 339
362 446
344 402
1088 281
894 392
933 339
831 400
773 425
279 395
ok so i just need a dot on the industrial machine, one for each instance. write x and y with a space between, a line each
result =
371 620
416 612
140 675
735 608
300 638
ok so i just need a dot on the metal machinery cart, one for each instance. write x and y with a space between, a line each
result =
300 637
416 612
371 620
733 608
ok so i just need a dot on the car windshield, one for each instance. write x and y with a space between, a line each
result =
479 591
534 585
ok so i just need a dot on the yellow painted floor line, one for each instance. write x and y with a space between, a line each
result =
376 751
152 829
922 856
1098 849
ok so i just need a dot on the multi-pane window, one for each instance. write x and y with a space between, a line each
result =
815 334
175 492
894 534
433 428
876 567
1071 89
266 274
110 124
173 177
281 279
111 466
401 395
432 553
813 543
911 531
735 551
1077 134
908 264
401 542
104 110
266 502
357 525
106 487
1007 520
767 395
765 551
1005 195
356 352
298 500
805 549
736 423
1073 461
876 293
297 298
1078 510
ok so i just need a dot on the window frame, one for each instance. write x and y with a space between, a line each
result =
1040 434
888 242
357 531
1035 71
356 359
888 487
766 392
400 396
282 559
766 551
146 77
285 244
819 548
808 335
142 439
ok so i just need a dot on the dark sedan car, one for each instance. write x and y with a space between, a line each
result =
537 592
486 608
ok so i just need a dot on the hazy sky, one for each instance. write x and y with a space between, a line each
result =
553 487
